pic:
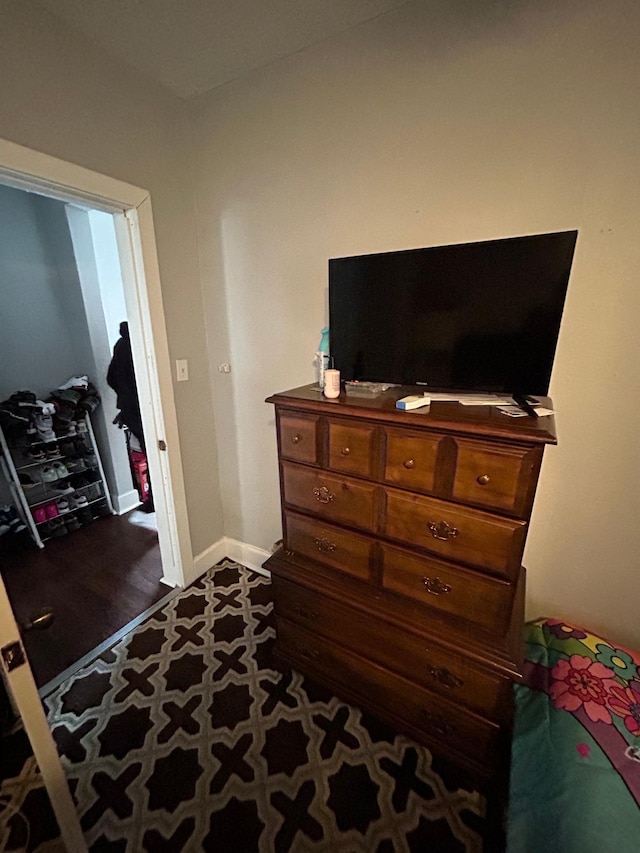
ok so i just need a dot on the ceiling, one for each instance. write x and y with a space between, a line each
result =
192 46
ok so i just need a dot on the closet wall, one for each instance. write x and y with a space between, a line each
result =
44 330
45 337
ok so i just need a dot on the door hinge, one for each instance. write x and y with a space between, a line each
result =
162 444
13 655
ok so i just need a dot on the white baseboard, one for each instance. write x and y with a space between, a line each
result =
126 502
247 555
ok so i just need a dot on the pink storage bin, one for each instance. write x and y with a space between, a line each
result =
51 509
39 514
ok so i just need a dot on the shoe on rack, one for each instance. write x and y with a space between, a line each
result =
5 526
52 450
65 413
61 470
35 453
76 465
63 506
72 523
44 426
76 500
62 488
100 509
57 527
94 492
82 427
10 521
89 403
11 517
27 481
84 515
69 395
72 429
48 474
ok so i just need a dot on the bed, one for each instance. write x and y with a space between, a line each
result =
575 771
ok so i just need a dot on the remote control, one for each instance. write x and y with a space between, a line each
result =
413 402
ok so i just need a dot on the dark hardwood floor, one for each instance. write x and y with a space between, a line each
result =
96 580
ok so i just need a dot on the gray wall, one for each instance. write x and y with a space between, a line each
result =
53 324
43 329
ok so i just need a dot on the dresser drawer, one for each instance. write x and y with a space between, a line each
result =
410 459
429 716
425 662
346 551
352 448
298 435
483 600
330 496
455 533
496 476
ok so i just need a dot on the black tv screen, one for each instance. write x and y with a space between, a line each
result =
469 317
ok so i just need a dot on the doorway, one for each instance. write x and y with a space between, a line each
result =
130 210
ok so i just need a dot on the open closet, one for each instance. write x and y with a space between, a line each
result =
73 540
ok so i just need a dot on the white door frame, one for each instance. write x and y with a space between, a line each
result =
33 171
22 689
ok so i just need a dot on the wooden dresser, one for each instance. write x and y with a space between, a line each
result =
399 584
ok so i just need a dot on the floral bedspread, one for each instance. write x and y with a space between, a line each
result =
575 774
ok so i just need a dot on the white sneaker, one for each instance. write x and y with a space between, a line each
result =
44 426
47 408
63 488
75 382
61 470
48 474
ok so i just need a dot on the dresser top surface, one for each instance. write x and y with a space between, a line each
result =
445 416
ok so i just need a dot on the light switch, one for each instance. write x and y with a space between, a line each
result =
182 369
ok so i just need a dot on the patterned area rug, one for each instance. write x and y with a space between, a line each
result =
183 738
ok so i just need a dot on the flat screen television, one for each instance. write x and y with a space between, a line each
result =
469 317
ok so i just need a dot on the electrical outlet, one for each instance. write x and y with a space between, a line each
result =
225 367
182 369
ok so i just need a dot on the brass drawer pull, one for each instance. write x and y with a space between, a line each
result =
483 479
309 654
345 451
296 438
325 545
441 530
435 586
444 677
323 495
438 723
408 464
306 612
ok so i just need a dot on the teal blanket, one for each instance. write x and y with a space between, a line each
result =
575 771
